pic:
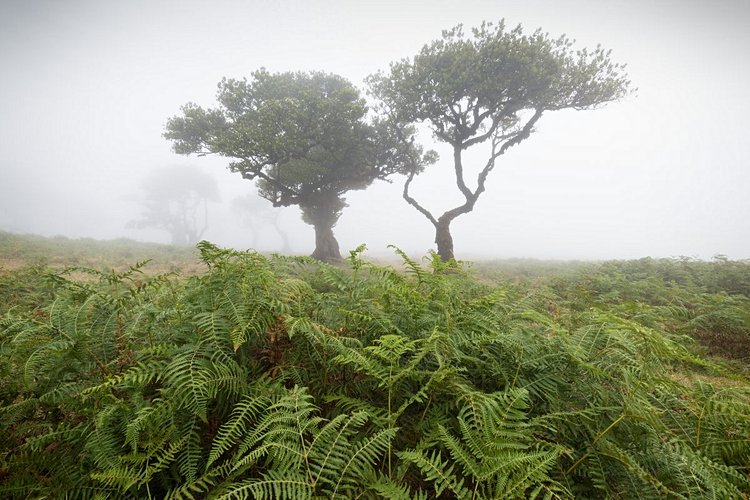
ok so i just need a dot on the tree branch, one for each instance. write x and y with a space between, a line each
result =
523 134
509 109
482 137
411 201
458 167
250 175
472 197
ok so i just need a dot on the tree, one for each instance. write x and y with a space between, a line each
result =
489 88
176 200
304 139
256 215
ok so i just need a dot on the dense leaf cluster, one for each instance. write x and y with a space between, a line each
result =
289 378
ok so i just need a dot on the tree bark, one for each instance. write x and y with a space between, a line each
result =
326 246
500 143
444 240
322 211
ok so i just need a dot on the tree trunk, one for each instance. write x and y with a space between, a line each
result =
326 246
444 240
285 245
322 211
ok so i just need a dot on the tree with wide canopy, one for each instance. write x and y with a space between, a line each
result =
303 137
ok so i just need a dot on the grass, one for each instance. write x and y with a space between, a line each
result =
21 250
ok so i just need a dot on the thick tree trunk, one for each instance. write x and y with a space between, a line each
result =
326 246
444 240
322 212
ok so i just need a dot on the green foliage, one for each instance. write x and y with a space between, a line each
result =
291 378
497 451
491 86
489 75
303 137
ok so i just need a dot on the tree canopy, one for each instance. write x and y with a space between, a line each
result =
491 86
303 137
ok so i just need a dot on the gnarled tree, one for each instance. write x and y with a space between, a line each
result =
489 88
303 137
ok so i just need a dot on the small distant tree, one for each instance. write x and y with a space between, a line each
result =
176 200
491 87
303 137
256 214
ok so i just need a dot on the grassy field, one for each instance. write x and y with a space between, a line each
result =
211 373
18 251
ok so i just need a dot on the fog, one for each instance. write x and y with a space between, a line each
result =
87 87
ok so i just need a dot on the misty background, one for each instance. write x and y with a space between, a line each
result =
87 87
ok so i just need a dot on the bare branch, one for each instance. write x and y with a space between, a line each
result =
250 175
482 137
508 111
411 201
513 139
458 167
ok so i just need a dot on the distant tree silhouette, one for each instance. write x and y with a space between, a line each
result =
175 199
255 214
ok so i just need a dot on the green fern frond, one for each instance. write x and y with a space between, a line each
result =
437 471
391 490
412 266
156 416
274 485
244 413
121 478
360 459
190 457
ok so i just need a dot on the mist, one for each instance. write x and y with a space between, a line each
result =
88 86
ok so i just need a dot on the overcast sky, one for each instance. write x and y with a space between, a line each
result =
87 87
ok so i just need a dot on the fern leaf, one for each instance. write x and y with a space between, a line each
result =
238 424
364 456
274 485
437 472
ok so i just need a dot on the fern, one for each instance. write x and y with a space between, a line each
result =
285 377
437 471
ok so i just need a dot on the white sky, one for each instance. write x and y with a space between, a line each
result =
87 86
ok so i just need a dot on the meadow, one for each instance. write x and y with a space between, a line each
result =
213 373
